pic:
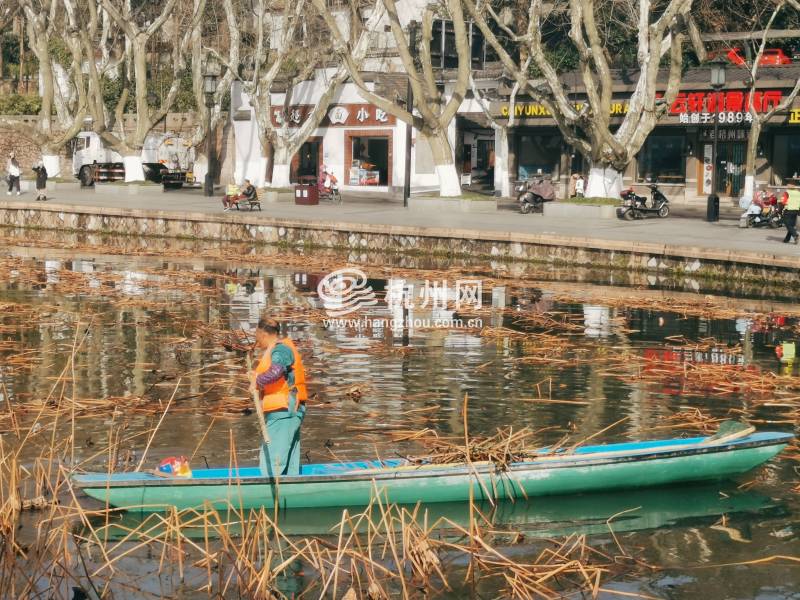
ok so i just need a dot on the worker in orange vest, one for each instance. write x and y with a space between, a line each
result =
281 381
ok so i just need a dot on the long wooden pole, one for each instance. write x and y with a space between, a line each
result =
257 407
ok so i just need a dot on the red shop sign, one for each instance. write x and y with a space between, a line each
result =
731 101
338 115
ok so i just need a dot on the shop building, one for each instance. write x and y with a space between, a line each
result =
366 148
363 145
678 153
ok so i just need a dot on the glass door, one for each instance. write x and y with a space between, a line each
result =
730 168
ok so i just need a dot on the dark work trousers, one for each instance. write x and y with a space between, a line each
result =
790 220
13 183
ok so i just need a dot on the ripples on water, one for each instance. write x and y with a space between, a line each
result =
141 315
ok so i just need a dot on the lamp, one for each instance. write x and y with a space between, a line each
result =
760 150
690 149
718 66
210 76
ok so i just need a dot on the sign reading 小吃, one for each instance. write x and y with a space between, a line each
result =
339 115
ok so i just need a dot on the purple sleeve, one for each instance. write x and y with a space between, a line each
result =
271 375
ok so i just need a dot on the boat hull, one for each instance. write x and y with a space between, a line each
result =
577 473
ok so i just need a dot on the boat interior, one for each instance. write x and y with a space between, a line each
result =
340 468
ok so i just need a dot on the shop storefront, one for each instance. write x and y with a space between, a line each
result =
355 140
678 154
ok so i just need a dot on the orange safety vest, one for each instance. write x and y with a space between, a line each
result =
275 396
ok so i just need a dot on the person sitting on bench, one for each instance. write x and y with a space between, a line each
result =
231 196
249 192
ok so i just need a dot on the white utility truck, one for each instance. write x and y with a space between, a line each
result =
167 158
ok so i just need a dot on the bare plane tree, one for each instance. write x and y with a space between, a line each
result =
434 112
290 47
660 30
225 50
137 33
759 118
63 88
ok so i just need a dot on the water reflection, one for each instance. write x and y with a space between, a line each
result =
147 322
544 517
247 302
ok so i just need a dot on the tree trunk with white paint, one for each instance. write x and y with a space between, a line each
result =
444 163
502 181
750 159
604 182
281 167
134 171
200 166
52 164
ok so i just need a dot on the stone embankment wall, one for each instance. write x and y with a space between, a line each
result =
676 261
28 153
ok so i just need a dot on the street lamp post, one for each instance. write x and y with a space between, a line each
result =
717 83
210 89
412 45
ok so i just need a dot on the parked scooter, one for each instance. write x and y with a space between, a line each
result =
532 194
638 207
764 210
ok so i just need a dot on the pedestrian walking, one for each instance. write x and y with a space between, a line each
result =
580 186
41 181
13 170
790 211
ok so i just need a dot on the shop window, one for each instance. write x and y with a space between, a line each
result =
538 155
662 158
443 46
785 158
370 162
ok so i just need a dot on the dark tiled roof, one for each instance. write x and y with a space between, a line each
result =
390 85
783 76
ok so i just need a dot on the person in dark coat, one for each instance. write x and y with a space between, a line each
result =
41 182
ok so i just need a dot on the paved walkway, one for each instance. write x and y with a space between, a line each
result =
685 227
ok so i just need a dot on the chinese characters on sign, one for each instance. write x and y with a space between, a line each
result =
691 107
725 135
730 102
708 168
434 294
705 118
338 115
341 115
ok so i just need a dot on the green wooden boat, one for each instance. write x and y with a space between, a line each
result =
586 469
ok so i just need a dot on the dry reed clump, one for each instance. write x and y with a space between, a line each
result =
506 446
